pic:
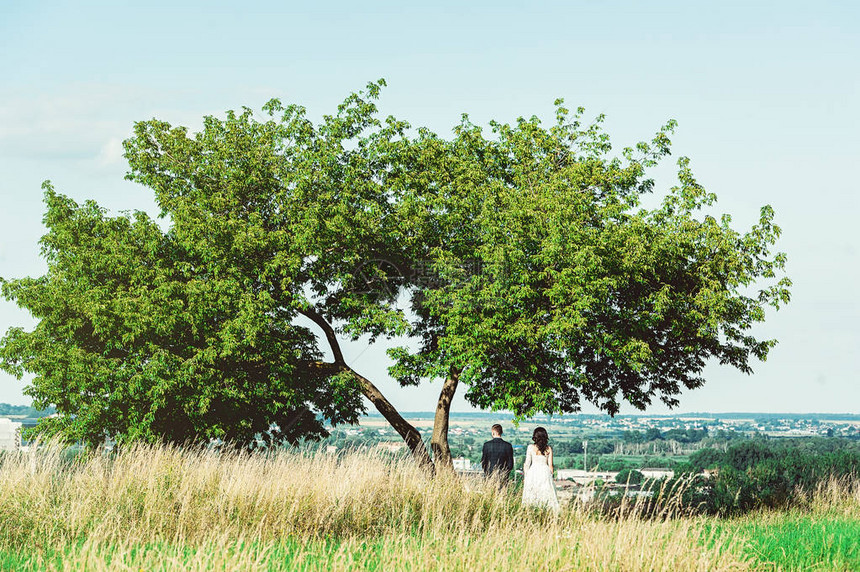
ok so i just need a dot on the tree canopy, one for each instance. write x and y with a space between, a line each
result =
532 276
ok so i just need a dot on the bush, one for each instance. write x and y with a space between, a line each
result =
762 473
629 476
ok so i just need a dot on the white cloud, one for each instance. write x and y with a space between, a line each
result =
111 152
72 125
90 121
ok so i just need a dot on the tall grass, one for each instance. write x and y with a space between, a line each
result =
164 508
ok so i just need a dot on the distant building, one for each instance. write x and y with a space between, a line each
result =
585 477
657 473
462 464
392 446
10 435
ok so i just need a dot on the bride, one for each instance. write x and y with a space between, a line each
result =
538 488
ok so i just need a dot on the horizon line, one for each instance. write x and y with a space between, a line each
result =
689 413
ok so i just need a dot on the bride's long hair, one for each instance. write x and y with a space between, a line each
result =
541 440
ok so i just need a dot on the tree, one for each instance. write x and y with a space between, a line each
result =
629 477
139 339
547 286
530 276
704 459
189 334
653 434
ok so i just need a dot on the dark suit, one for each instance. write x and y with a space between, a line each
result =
498 455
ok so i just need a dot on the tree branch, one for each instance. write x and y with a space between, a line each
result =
317 319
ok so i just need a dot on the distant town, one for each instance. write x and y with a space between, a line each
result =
587 448
659 435
592 448
625 451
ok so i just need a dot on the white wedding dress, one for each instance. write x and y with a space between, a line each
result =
538 488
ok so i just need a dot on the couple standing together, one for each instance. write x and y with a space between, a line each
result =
538 488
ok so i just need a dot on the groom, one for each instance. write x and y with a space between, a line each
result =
498 456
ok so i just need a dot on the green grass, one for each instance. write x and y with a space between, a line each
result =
797 541
292 554
786 541
289 554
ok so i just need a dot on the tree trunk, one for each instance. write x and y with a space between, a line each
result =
439 440
409 433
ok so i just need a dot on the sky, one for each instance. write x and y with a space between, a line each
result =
765 94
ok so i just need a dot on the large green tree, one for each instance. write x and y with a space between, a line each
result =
533 278
548 284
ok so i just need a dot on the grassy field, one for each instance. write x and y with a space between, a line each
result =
158 508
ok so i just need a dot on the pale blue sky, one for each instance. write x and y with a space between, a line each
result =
766 96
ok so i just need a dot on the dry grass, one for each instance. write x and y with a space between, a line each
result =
162 508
